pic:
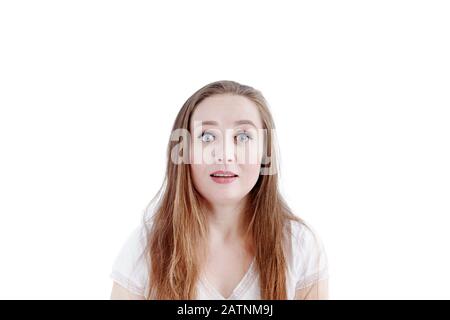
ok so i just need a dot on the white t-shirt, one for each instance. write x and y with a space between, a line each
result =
306 264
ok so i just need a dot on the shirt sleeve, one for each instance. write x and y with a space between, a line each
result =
131 265
311 258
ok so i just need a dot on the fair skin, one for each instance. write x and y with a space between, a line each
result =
235 117
229 124
314 292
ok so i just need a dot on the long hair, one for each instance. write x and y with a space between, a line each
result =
179 229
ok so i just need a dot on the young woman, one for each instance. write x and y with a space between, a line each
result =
218 227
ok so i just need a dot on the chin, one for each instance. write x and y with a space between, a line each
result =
224 199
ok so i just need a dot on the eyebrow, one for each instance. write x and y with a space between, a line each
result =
236 123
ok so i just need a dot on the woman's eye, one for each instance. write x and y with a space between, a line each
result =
206 137
243 137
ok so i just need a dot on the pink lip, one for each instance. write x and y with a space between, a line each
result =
223 180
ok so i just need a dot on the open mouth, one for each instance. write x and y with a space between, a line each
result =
223 174
223 177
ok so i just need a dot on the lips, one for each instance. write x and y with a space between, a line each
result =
223 174
223 177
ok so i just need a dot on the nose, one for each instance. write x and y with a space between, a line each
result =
225 150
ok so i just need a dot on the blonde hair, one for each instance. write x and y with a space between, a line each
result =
179 227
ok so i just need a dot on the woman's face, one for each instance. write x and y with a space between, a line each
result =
226 136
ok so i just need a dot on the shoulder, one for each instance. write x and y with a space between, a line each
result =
310 261
131 265
303 234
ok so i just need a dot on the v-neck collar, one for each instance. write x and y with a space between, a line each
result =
240 288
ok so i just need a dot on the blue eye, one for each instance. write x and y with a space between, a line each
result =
206 136
245 137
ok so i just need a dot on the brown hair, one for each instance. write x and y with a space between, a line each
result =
179 226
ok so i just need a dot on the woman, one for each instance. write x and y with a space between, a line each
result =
220 228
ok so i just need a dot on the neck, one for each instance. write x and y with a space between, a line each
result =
226 222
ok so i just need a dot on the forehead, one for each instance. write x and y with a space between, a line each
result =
226 110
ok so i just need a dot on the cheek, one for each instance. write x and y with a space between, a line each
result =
200 178
197 172
250 154
250 173
201 154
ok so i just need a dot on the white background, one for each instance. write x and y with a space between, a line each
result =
360 95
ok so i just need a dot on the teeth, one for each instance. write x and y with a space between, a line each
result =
222 175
